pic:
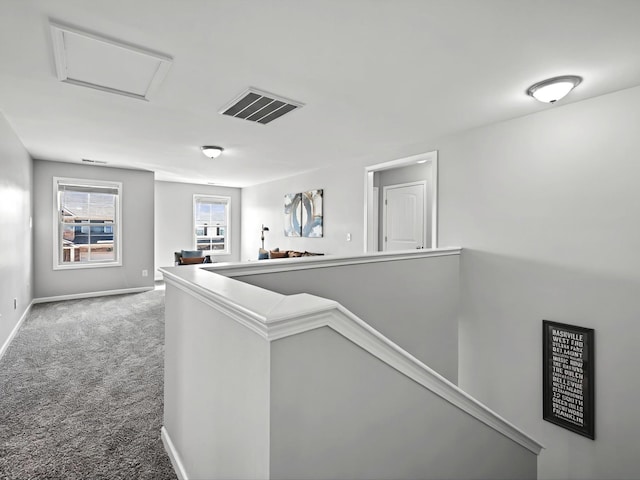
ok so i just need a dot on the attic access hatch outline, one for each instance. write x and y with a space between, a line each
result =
259 106
90 60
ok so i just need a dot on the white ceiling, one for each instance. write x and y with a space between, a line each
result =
376 77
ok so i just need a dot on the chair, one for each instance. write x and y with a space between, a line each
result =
191 257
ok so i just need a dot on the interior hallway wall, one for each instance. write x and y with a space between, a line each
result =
16 244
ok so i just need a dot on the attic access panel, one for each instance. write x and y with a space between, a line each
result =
93 61
259 106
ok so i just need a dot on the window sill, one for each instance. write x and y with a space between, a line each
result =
80 265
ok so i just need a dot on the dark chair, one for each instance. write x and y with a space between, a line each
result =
191 257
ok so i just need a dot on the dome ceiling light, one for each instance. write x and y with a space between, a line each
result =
553 89
211 151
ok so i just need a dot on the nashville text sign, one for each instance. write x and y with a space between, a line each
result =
568 377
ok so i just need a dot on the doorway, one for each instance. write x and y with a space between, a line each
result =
402 170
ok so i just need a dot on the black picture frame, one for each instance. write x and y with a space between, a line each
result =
568 377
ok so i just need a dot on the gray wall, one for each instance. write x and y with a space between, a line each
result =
343 202
174 220
396 176
16 266
414 302
338 412
546 208
137 232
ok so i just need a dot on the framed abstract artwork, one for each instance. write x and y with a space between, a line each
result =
292 215
303 215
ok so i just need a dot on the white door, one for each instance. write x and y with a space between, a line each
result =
404 216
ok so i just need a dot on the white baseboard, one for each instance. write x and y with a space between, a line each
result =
76 296
174 456
6 343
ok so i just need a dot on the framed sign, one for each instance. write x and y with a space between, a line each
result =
568 377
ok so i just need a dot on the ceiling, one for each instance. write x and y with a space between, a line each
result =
375 77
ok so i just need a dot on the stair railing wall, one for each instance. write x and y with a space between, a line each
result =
264 385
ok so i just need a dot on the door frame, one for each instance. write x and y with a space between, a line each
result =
385 188
369 233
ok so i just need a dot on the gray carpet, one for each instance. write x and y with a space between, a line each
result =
81 391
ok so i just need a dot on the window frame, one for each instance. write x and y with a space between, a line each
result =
57 233
226 226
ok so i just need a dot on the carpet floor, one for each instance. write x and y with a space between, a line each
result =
81 391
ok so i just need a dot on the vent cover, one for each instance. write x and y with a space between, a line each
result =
258 106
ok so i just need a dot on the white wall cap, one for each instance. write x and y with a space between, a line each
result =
234 269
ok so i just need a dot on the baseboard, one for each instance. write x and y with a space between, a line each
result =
6 343
174 456
76 296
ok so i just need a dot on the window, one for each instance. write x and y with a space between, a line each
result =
211 222
86 223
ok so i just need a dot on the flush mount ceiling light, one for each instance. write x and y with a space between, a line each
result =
212 152
553 89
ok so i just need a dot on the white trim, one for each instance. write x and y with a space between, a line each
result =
245 318
431 157
369 339
173 454
374 228
7 342
322 261
434 201
57 40
403 162
369 233
104 293
289 315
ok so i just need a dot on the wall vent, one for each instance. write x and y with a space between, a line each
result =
258 106
96 162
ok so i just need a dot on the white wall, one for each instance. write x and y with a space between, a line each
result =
216 400
174 220
546 208
16 265
343 202
137 232
413 302
338 412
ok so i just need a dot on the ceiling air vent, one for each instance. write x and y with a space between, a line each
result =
260 107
